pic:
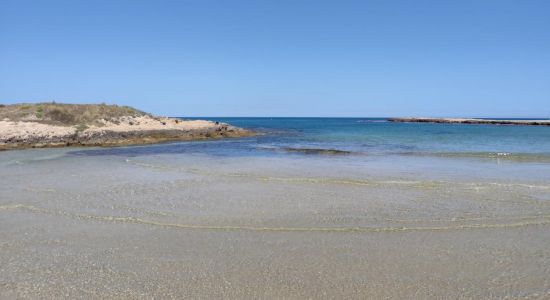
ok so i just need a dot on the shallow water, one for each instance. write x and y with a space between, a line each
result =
231 219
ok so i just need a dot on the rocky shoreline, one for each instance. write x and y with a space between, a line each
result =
109 132
52 137
472 121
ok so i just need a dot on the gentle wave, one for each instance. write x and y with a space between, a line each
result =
542 220
504 156
344 181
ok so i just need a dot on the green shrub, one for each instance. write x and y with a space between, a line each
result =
61 116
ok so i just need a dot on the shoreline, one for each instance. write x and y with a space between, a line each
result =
471 121
239 221
108 126
116 138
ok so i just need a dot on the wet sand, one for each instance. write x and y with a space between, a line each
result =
198 226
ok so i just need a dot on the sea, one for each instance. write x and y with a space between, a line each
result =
309 208
369 136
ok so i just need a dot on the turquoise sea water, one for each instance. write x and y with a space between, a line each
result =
370 136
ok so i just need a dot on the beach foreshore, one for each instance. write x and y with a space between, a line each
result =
158 223
472 121
122 130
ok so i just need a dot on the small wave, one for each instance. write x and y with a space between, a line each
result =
146 165
523 185
40 190
429 184
506 156
542 220
345 181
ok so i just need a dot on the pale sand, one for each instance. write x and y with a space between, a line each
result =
148 123
23 130
9 129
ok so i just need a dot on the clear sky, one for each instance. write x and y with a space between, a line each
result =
477 58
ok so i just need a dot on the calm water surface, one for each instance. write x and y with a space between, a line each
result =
400 211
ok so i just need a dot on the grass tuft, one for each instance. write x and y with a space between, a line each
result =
67 114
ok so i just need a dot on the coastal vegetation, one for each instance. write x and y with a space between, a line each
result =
67 114
55 125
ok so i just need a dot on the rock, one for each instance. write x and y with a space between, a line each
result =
472 121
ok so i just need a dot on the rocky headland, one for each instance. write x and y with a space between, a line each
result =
58 125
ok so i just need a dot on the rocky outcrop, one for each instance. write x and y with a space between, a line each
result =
472 121
119 132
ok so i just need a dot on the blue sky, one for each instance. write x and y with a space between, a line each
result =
281 58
